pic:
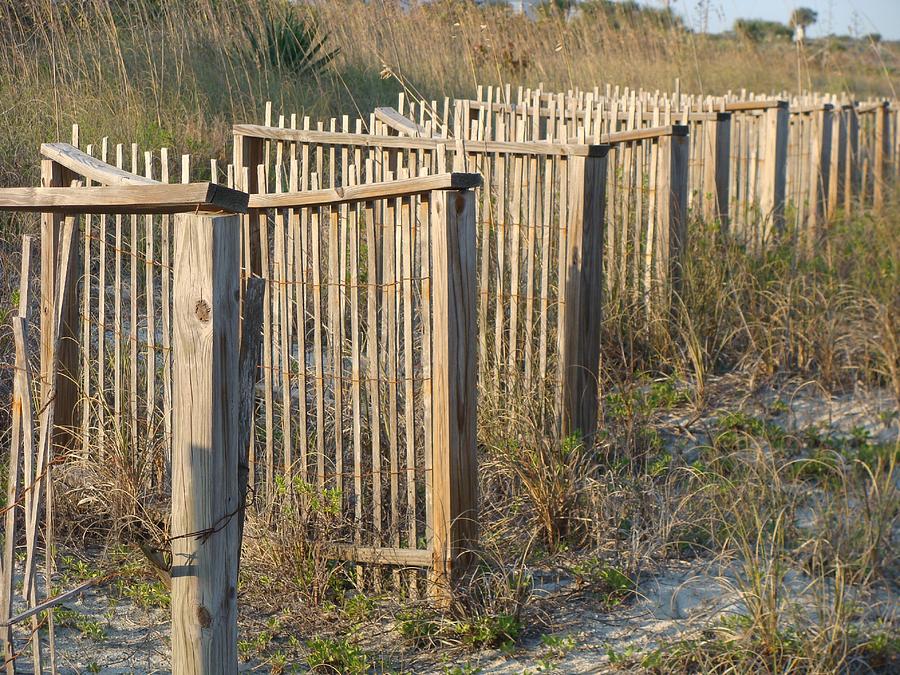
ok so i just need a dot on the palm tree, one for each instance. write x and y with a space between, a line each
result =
800 19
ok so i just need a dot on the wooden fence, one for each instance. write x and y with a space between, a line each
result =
539 228
393 289
371 289
205 319
780 162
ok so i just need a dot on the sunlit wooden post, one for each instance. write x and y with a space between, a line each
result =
205 496
454 387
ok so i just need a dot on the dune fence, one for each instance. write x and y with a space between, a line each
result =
319 324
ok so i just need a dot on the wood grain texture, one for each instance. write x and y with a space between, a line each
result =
150 199
205 495
454 461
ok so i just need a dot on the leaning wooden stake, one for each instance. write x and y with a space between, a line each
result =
18 447
454 382
205 502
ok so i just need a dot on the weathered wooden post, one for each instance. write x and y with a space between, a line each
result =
205 496
838 161
774 169
454 387
882 151
671 230
581 296
819 173
717 169
852 171
54 174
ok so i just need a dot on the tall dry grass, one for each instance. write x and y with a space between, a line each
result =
179 73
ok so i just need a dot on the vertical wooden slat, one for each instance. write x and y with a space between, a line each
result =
282 284
118 323
355 363
406 252
335 329
389 318
319 373
262 237
133 302
427 358
150 293
373 354
85 342
166 319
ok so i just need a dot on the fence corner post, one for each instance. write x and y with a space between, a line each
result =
454 389
581 296
206 390
774 166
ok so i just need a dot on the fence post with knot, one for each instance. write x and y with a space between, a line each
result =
205 494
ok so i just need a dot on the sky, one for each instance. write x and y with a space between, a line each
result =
853 17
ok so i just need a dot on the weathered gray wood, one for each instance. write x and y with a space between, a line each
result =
454 462
82 164
581 301
717 169
774 170
251 341
205 495
882 151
